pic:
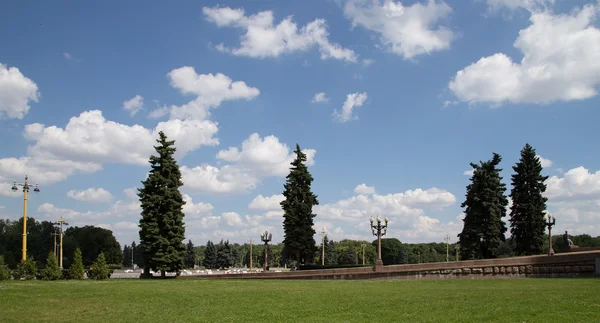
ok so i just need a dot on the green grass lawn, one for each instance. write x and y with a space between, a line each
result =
189 300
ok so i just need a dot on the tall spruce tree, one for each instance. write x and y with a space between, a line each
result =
211 256
190 255
299 243
527 223
162 229
483 229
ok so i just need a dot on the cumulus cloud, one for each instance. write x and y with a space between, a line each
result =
16 93
407 30
353 100
320 98
134 104
91 195
210 91
363 189
265 39
574 198
266 203
561 62
545 162
257 158
519 4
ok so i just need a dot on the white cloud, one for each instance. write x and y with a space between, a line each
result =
264 39
468 172
574 199
91 138
561 62
368 61
68 55
91 195
545 162
353 100
405 211
320 98
43 171
16 93
576 184
134 104
518 4
196 210
267 203
363 189
258 157
210 91
408 31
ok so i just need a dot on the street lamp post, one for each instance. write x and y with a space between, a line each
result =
26 187
323 234
363 255
61 222
447 239
266 238
550 222
377 231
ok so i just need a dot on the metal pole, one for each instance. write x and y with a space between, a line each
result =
250 254
25 191
323 233
447 238
363 258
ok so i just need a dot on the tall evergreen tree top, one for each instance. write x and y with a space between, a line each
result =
529 204
297 206
162 230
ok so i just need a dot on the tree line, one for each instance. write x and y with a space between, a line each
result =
91 240
486 202
162 229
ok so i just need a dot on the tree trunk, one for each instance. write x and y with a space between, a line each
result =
163 274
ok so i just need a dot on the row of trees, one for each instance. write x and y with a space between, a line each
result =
29 270
345 252
40 242
483 233
483 236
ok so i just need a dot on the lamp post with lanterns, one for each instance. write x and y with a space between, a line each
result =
550 222
379 230
26 187
266 238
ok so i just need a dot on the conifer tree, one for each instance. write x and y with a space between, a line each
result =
100 269
299 243
190 256
162 230
77 270
483 228
52 271
527 223
211 256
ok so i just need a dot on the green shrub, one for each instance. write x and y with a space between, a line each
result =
76 270
26 269
99 269
4 272
52 271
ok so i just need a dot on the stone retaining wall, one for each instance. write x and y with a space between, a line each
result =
573 264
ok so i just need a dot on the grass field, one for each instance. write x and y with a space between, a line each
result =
189 300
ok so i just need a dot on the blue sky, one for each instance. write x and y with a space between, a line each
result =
411 93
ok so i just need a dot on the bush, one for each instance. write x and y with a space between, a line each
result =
76 270
52 271
99 270
4 272
26 269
